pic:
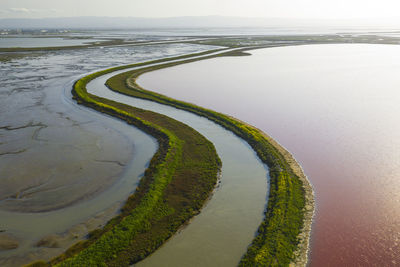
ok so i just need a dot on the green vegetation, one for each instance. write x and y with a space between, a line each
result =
277 237
175 186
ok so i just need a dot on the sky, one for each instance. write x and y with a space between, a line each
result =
310 9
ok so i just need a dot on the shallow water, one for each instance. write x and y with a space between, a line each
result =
220 234
42 42
336 108
63 168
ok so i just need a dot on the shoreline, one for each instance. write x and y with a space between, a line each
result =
301 254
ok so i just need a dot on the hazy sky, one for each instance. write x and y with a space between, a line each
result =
330 9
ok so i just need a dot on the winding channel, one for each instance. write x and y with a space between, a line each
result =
221 233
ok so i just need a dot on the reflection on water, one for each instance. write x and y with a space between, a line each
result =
336 107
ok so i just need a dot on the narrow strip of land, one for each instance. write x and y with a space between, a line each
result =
284 235
175 186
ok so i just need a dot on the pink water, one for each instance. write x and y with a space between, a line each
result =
337 109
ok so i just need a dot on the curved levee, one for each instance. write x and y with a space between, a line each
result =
283 237
175 186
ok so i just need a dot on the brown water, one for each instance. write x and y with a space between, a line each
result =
336 108
220 234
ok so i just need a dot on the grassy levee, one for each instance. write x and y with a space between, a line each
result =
278 235
175 186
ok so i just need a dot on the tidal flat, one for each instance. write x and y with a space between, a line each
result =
29 42
55 156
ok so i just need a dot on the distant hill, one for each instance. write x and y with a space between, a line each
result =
173 22
181 22
132 22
